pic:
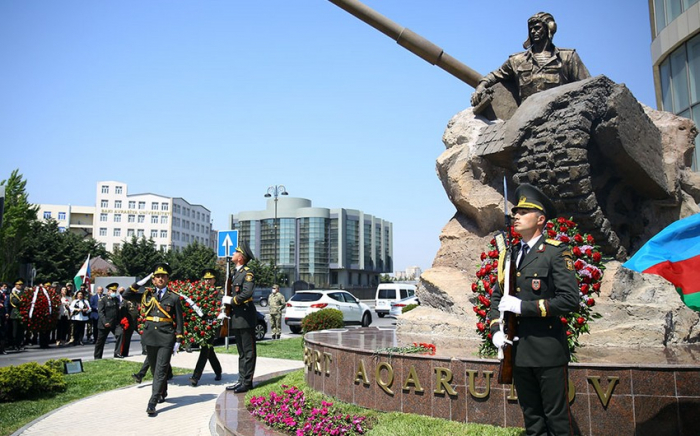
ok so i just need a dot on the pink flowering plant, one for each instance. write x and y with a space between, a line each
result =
292 413
589 274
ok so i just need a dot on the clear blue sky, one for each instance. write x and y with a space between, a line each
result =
216 100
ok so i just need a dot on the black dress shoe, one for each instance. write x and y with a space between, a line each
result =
217 377
137 378
234 386
242 388
162 397
118 356
193 381
151 409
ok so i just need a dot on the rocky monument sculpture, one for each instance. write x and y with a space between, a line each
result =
619 169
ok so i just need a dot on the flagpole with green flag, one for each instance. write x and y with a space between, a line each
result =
83 274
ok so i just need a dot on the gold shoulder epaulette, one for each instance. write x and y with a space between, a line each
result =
553 242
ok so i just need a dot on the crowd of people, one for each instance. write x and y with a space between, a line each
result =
83 318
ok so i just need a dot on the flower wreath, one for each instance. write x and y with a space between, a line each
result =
198 330
589 274
39 309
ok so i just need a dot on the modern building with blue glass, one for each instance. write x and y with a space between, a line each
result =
338 248
675 56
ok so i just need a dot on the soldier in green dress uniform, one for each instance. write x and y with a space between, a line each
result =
16 327
162 327
546 290
243 318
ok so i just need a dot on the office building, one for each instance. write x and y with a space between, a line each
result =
675 56
74 219
339 248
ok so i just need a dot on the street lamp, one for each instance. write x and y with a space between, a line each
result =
275 191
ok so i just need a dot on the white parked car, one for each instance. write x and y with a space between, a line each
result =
397 306
304 302
388 293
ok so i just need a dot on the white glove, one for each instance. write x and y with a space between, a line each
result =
144 280
227 300
498 339
510 304
176 347
222 315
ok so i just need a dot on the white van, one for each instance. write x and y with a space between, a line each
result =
391 292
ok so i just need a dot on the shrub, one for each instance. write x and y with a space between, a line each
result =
57 365
29 381
408 308
322 320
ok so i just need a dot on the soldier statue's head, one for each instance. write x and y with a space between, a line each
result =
546 20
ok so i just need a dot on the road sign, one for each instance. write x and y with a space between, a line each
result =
228 241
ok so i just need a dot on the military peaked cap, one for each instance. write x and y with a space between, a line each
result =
162 268
208 274
245 250
112 286
530 197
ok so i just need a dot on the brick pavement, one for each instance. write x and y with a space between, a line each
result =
187 411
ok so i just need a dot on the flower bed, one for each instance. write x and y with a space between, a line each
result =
293 414
589 274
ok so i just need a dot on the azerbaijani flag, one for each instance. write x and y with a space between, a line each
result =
674 254
83 275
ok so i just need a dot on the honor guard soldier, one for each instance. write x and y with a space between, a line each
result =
206 351
162 328
108 321
546 290
244 318
16 328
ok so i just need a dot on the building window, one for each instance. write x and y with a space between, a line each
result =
163 248
198 216
154 219
104 203
103 217
142 205
117 189
164 219
132 218
154 205
61 229
103 231
164 206
117 204
154 233
139 233
117 232
132 204
117 217
142 218
61 216
163 233
47 215
129 232
665 11
105 189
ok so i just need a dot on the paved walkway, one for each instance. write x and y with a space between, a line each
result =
187 411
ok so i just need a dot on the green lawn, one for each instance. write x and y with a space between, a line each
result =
292 349
99 376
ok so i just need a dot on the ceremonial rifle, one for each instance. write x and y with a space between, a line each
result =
508 323
228 292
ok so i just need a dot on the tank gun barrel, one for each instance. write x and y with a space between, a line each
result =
411 41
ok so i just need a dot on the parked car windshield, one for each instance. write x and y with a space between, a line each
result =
306 296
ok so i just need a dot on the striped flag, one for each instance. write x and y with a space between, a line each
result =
674 254
83 275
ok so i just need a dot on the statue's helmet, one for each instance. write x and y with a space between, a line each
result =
541 17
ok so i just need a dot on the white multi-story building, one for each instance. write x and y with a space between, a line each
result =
75 219
172 223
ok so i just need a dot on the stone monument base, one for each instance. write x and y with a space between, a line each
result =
631 392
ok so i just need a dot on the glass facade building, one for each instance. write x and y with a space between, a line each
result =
328 248
675 50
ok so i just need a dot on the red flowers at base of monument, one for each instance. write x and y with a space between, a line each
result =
39 313
292 413
589 274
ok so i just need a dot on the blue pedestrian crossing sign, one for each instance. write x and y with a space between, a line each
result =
228 241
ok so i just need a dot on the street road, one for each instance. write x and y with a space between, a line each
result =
85 352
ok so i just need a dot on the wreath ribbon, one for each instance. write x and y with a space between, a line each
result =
36 292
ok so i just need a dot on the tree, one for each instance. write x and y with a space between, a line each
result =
137 257
17 221
385 278
266 274
57 255
188 263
